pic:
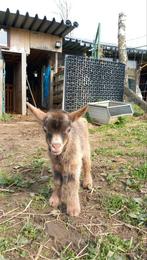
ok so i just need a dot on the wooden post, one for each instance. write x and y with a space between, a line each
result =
2 85
51 90
122 51
56 62
137 79
23 83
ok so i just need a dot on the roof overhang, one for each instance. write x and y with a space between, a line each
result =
17 20
78 46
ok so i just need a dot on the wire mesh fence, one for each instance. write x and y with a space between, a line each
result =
91 80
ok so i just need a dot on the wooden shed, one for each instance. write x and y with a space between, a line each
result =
28 46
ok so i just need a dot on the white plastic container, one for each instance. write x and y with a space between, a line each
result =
106 112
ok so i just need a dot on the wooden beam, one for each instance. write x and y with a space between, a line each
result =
6 16
50 25
23 83
33 22
15 19
2 87
42 24
25 20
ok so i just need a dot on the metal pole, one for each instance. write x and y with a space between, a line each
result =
96 49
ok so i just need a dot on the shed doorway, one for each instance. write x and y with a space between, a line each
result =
39 64
12 82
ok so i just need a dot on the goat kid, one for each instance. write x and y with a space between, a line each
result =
69 152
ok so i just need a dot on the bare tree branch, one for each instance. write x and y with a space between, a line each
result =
64 8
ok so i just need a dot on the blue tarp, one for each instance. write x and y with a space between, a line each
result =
46 85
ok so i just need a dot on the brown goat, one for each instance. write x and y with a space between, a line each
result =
69 150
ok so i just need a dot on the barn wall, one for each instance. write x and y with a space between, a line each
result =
23 40
43 41
19 40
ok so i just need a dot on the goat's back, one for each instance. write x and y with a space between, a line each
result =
80 135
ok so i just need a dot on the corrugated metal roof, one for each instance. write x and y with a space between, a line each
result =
17 20
77 46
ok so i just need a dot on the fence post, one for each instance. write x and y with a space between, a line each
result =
2 85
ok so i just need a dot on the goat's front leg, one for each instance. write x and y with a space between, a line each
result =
73 202
55 198
87 178
70 194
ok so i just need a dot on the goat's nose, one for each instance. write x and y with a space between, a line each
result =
56 146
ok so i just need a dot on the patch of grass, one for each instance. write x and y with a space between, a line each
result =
133 184
137 111
130 210
67 254
7 180
113 203
112 177
6 117
39 202
3 228
93 130
13 180
113 247
108 247
37 163
121 122
46 190
6 243
139 133
137 177
110 151
31 232
140 173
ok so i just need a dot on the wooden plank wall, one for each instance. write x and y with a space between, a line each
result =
24 40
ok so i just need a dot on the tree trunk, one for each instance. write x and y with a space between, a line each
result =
122 51
124 59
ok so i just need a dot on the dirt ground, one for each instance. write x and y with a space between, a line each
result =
113 220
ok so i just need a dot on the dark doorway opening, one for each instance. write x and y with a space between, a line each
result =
143 83
37 61
12 82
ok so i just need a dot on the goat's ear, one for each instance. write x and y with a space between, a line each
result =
40 115
77 114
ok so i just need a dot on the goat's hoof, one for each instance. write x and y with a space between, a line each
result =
87 184
54 201
73 211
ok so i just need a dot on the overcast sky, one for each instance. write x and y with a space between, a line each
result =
89 13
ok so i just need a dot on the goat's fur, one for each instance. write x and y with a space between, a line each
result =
69 151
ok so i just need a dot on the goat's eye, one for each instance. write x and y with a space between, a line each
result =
49 135
68 130
45 129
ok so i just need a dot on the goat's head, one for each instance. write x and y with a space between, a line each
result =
57 126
